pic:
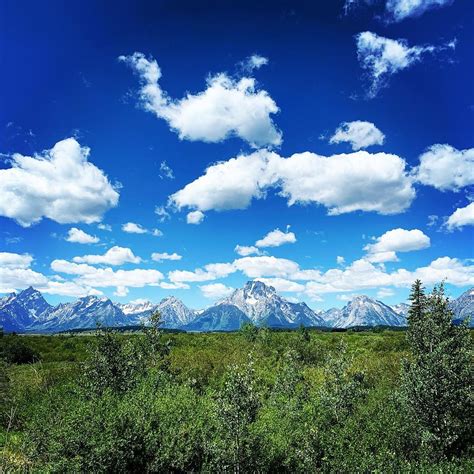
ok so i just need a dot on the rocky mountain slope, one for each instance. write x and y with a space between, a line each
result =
256 302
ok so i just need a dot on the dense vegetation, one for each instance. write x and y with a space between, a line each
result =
252 401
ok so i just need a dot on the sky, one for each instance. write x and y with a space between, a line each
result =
162 148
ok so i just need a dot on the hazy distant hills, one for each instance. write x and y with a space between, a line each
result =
256 302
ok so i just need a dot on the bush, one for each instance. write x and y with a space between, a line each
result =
15 351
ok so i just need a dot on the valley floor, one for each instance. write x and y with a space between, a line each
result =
253 400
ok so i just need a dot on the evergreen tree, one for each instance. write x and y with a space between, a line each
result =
438 379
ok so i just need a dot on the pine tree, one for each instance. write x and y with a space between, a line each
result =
438 380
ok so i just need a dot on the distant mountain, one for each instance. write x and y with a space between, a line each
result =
364 311
331 316
256 302
174 313
401 309
86 312
463 307
264 307
222 317
19 311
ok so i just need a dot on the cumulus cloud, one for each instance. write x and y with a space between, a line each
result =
461 217
212 271
215 290
133 228
382 57
245 251
15 260
106 227
114 256
226 108
16 274
266 266
78 236
195 217
358 181
340 260
446 168
363 275
94 277
359 134
396 240
275 238
158 257
59 184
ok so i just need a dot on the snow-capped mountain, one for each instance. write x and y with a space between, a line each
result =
86 312
263 306
463 307
401 309
364 311
331 316
174 313
18 311
255 302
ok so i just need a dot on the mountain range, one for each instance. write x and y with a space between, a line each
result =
256 302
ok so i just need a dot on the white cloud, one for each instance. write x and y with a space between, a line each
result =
162 213
114 256
275 238
107 277
398 10
165 171
254 62
358 181
121 291
402 9
382 257
399 240
15 260
226 108
106 227
266 266
446 168
283 285
78 236
15 274
59 184
174 286
156 233
340 260
461 217
132 228
382 57
359 134
195 217
158 257
212 271
385 293
215 290
245 251
362 275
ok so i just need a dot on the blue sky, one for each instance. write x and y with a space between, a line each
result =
352 123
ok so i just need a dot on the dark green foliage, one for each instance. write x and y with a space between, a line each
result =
438 380
14 350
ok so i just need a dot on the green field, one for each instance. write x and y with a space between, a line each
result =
256 400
